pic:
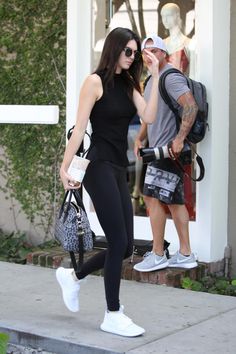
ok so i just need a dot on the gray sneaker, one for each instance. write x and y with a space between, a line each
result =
152 262
180 261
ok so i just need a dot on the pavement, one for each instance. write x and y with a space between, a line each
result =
176 321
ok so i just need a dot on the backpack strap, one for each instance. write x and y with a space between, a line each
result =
165 96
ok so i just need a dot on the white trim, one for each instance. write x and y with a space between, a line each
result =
29 114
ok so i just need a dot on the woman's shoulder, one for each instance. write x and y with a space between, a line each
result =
93 85
93 82
93 79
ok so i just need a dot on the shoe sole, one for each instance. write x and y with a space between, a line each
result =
185 266
157 267
120 333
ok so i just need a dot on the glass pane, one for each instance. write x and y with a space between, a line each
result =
177 29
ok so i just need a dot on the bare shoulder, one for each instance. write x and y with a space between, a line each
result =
93 84
94 79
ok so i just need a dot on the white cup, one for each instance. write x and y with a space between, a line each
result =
77 168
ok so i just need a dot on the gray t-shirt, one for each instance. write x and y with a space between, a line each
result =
163 129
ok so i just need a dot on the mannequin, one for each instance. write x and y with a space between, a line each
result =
177 43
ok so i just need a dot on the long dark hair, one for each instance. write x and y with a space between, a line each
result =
115 42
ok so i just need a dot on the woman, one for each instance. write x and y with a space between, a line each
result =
109 97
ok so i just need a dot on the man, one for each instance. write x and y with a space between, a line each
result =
163 185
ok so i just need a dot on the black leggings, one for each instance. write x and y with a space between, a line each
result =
107 186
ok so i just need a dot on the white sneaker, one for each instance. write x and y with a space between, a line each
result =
70 288
118 323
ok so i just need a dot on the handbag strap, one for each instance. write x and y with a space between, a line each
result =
78 199
69 192
78 265
79 152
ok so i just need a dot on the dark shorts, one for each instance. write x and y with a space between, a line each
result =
164 181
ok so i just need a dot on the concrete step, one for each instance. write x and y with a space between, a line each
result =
55 258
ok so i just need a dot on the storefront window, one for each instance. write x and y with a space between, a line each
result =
175 24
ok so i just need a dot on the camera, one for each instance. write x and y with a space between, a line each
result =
157 153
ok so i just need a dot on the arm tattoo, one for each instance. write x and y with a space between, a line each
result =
189 113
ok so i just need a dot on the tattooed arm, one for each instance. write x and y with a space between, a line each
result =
190 109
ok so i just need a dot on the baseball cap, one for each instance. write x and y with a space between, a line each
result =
157 43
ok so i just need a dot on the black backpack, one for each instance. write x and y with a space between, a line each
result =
200 125
198 90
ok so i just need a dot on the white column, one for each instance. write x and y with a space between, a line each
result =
212 40
79 34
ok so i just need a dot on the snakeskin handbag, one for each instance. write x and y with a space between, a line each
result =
72 228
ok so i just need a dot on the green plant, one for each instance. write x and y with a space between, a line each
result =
14 247
4 338
211 284
188 283
33 71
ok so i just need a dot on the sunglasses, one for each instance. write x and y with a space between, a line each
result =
128 52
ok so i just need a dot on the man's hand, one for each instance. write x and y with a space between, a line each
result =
177 146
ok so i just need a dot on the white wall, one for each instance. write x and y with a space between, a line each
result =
209 232
232 140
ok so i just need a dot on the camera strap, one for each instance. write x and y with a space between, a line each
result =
198 160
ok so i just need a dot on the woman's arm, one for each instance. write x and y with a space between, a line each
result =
90 92
141 136
147 111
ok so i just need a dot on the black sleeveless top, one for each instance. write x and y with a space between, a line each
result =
110 118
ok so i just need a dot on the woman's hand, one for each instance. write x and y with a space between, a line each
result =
68 181
137 145
151 62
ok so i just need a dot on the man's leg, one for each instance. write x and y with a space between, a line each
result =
181 219
156 259
182 258
157 216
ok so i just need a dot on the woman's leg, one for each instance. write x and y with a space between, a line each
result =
127 212
102 183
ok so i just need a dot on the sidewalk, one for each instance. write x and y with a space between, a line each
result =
176 321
